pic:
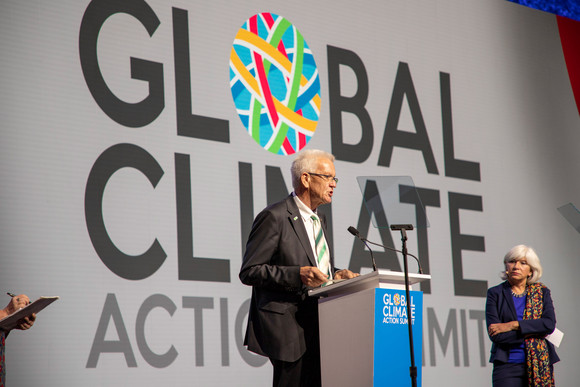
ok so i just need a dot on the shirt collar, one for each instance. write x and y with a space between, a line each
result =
305 211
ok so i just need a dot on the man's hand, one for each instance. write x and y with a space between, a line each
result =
312 276
345 274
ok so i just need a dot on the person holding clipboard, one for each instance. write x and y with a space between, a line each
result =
16 303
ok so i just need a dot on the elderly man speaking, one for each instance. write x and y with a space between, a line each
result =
287 254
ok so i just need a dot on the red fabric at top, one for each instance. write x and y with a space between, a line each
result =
570 38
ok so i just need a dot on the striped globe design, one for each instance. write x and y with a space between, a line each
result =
275 84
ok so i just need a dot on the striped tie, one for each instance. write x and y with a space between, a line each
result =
321 250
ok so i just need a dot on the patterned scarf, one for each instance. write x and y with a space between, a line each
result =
537 356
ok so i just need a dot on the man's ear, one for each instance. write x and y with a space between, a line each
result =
305 179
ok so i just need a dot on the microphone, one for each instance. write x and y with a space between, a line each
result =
356 233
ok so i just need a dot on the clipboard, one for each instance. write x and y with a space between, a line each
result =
10 322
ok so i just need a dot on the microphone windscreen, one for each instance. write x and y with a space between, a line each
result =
353 231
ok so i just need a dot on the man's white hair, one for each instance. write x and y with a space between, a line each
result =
306 161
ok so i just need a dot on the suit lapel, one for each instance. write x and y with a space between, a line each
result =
507 294
295 220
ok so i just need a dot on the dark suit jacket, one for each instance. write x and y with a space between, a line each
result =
500 308
282 321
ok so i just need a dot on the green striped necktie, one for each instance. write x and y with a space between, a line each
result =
321 249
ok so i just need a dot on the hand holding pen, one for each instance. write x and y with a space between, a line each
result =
19 302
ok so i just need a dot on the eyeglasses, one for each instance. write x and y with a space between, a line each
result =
326 177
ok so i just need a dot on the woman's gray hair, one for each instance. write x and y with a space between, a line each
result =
306 161
523 252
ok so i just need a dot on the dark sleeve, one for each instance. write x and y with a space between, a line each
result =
544 325
493 316
264 264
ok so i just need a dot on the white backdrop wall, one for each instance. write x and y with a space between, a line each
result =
504 144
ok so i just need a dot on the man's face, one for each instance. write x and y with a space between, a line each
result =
322 188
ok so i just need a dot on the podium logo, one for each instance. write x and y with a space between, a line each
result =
395 309
275 84
397 299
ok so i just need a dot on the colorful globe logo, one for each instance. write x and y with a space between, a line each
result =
397 299
275 84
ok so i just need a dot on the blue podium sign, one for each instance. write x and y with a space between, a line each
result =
391 356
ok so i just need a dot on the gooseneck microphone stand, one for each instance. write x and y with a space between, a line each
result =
412 368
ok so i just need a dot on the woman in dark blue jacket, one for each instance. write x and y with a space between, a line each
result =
520 314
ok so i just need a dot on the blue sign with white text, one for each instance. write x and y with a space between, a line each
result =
392 357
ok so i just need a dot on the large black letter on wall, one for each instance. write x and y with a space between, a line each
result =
246 201
460 242
395 137
117 157
111 312
188 124
427 198
453 167
190 267
154 359
128 114
338 103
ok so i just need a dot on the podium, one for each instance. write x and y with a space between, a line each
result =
364 337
